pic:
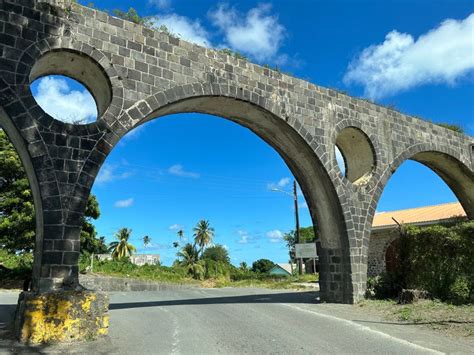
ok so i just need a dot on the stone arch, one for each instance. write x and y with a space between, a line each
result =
21 148
270 122
447 163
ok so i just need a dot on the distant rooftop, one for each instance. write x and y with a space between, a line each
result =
420 215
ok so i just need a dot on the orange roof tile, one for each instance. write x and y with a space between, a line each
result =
419 215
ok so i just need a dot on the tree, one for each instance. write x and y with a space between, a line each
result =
89 241
217 253
17 213
146 241
122 248
180 234
243 266
189 259
262 266
203 234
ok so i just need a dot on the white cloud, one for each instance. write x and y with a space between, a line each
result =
61 102
275 236
124 203
175 227
280 184
108 173
442 55
258 33
185 28
244 237
161 4
178 170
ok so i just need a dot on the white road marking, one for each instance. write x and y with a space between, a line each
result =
364 328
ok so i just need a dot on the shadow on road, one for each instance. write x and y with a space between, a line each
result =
8 343
442 322
294 297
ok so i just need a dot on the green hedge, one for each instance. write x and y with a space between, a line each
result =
438 259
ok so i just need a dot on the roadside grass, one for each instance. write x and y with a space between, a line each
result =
16 268
292 282
145 272
454 320
179 275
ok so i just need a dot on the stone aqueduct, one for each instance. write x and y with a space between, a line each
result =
136 74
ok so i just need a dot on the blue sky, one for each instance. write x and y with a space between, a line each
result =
171 172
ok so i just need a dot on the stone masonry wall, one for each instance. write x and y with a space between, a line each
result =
145 74
379 241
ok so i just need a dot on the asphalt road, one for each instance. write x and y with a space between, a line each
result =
235 321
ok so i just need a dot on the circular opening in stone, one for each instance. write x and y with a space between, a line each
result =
355 153
64 99
71 87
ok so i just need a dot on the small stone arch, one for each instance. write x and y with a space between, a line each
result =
445 162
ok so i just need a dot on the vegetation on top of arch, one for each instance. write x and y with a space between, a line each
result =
452 127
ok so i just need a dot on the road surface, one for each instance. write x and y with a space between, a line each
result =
239 321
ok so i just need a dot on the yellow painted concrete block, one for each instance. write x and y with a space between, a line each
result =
61 316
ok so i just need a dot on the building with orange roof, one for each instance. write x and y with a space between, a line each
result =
385 230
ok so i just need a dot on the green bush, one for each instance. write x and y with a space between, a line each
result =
125 268
438 259
17 266
384 286
460 290
215 269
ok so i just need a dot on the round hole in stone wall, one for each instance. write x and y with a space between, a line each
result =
64 99
357 155
71 76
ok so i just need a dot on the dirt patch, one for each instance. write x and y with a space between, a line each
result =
452 320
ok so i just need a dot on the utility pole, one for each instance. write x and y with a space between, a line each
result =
294 195
297 220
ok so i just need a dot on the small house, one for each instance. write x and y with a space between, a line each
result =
282 269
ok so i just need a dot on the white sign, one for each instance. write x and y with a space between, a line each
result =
305 250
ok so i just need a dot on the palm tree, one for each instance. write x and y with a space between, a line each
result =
189 258
203 234
122 247
146 241
180 234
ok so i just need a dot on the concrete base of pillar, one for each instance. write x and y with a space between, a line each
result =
61 316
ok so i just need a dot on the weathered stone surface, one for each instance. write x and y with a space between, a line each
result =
137 74
61 316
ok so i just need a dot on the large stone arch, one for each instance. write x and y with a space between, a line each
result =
294 144
21 147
